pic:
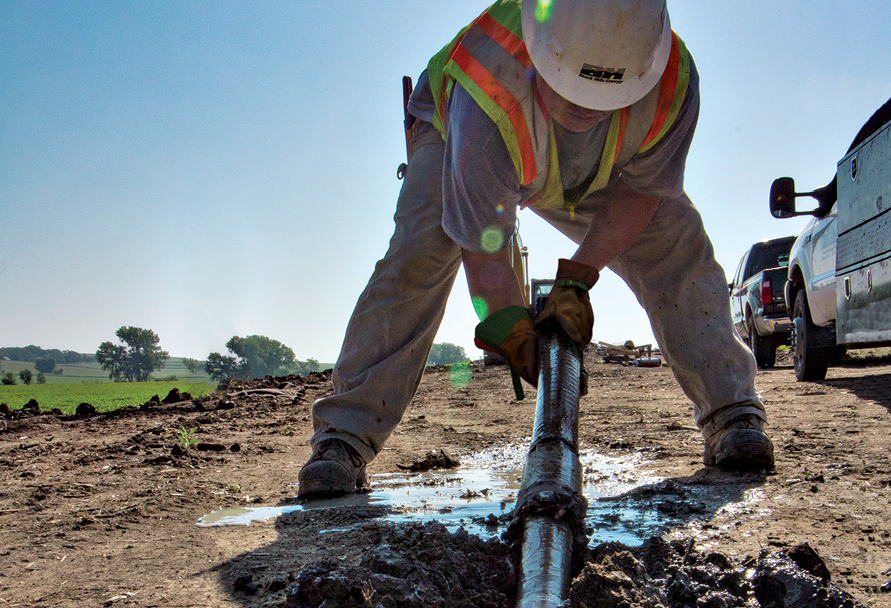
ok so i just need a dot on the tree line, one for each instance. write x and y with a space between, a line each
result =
33 353
137 354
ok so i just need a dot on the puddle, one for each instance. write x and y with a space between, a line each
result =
486 485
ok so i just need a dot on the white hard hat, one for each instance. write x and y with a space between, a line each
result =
598 54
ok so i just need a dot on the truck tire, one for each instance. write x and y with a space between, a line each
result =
764 348
811 362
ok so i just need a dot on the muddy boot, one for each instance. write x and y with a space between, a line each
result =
334 468
735 440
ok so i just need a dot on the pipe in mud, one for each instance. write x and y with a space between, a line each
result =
550 511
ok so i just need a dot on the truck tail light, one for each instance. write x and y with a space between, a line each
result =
766 293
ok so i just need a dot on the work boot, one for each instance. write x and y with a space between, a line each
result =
334 469
736 440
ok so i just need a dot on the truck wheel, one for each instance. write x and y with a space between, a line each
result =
810 362
764 349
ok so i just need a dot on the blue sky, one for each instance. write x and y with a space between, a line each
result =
211 168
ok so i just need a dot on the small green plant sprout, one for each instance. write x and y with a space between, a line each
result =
235 488
185 437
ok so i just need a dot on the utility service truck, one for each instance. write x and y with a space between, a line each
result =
838 290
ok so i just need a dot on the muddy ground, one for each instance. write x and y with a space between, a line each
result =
101 510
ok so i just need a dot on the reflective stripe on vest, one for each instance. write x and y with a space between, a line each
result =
490 61
672 90
493 42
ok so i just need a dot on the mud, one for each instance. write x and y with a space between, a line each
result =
425 565
412 565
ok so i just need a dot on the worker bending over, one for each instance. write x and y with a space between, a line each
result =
583 111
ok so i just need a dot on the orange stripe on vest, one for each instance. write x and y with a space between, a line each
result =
503 98
623 122
509 42
666 90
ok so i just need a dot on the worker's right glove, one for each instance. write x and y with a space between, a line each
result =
568 303
511 333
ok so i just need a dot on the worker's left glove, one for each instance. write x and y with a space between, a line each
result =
511 333
568 303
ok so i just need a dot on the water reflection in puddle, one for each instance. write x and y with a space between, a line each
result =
486 485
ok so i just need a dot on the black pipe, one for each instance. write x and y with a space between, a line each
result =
550 506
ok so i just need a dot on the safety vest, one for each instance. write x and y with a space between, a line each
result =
490 61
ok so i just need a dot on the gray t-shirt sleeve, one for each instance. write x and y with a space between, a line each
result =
480 187
421 104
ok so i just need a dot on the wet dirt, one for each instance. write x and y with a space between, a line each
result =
101 510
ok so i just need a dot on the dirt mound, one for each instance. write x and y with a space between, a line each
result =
410 566
425 565
673 575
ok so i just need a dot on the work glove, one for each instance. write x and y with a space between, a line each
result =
511 333
568 303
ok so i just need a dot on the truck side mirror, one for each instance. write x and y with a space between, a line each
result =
782 197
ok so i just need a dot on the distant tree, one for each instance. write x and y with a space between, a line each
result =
26 375
191 364
41 378
263 356
135 358
21 353
32 353
8 378
221 367
45 364
68 357
444 353
254 357
302 368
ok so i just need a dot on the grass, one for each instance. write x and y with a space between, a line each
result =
104 396
91 372
89 383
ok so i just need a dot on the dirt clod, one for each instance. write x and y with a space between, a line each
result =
85 409
413 565
437 459
666 575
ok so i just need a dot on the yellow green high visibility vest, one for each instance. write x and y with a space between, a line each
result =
490 61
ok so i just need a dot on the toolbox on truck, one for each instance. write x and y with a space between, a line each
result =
863 257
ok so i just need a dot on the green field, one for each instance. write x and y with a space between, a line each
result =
91 372
104 396
88 383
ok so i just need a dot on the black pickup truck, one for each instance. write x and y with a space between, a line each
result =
757 300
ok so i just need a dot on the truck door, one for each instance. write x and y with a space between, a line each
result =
736 296
821 295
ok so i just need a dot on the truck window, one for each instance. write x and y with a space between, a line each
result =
773 254
737 278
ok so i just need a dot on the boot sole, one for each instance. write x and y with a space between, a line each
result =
328 479
324 489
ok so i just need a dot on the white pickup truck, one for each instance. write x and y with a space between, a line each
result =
838 291
757 303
